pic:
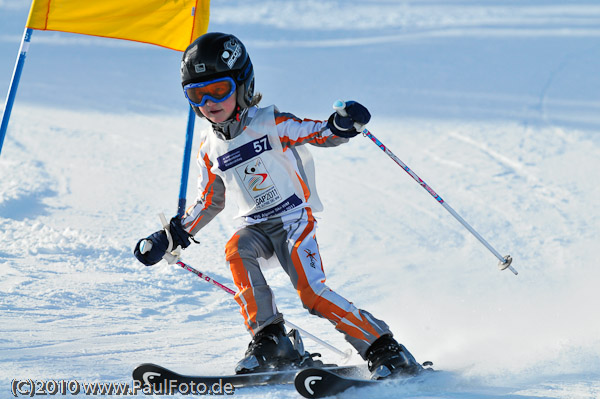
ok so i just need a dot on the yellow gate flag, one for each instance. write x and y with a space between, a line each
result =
172 24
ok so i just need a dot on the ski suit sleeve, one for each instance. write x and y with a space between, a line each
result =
295 131
210 200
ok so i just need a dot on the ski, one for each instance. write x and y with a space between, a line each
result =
157 380
320 383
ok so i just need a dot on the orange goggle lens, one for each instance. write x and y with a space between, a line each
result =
217 90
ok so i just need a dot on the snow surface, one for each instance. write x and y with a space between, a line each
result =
495 104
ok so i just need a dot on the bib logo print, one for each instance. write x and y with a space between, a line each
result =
258 183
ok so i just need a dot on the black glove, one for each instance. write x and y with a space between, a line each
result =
343 126
160 243
180 236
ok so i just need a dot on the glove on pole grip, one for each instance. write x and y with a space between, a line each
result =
340 107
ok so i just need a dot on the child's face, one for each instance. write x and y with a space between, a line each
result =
219 112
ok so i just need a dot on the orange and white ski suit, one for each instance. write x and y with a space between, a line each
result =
264 166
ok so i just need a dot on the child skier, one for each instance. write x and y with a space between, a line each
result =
258 156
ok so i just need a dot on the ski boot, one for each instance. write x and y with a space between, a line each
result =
386 357
271 349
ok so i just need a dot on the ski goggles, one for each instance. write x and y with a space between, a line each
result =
217 90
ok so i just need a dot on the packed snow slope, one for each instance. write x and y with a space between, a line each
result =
495 104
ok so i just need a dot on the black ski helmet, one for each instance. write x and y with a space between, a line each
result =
214 55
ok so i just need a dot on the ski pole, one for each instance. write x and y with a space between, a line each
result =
505 262
345 355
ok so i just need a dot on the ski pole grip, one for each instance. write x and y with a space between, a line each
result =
172 254
145 246
165 224
340 107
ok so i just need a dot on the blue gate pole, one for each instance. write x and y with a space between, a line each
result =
14 84
185 167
